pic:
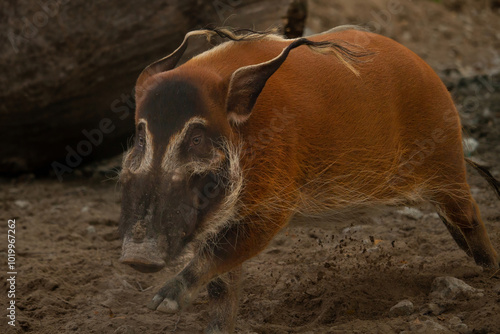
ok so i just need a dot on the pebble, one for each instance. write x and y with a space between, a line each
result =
352 229
453 288
22 204
431 309
428 326
470 145
404 307
411 213
457 325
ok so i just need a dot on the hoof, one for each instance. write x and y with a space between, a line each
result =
169 297
168 306
155 302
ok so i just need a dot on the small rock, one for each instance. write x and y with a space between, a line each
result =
470 145
431 309
91 229
457 325
22 204
404 307
411 213
84 209
428 326
352 229
453 288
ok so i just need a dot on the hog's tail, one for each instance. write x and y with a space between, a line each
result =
485 173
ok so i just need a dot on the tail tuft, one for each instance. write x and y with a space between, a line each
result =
485 173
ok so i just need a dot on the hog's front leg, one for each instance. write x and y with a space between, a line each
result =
220 254
223 293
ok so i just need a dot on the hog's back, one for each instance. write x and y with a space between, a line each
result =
330 138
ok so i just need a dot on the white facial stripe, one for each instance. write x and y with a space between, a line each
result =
170 159
147 159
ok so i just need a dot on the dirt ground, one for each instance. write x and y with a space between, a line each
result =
317 276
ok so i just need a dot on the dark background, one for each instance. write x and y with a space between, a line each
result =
67 65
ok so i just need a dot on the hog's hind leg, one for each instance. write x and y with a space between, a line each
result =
462 218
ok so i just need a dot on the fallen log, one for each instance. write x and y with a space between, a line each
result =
69 68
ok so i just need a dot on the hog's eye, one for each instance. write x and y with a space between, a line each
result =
196 140
141 141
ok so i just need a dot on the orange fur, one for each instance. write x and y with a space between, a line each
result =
348 140
389 136
327 134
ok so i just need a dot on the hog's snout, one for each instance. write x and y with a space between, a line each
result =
142 256
143 265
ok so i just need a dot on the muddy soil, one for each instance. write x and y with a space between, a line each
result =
317 276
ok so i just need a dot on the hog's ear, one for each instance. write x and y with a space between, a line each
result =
247 83
169 62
